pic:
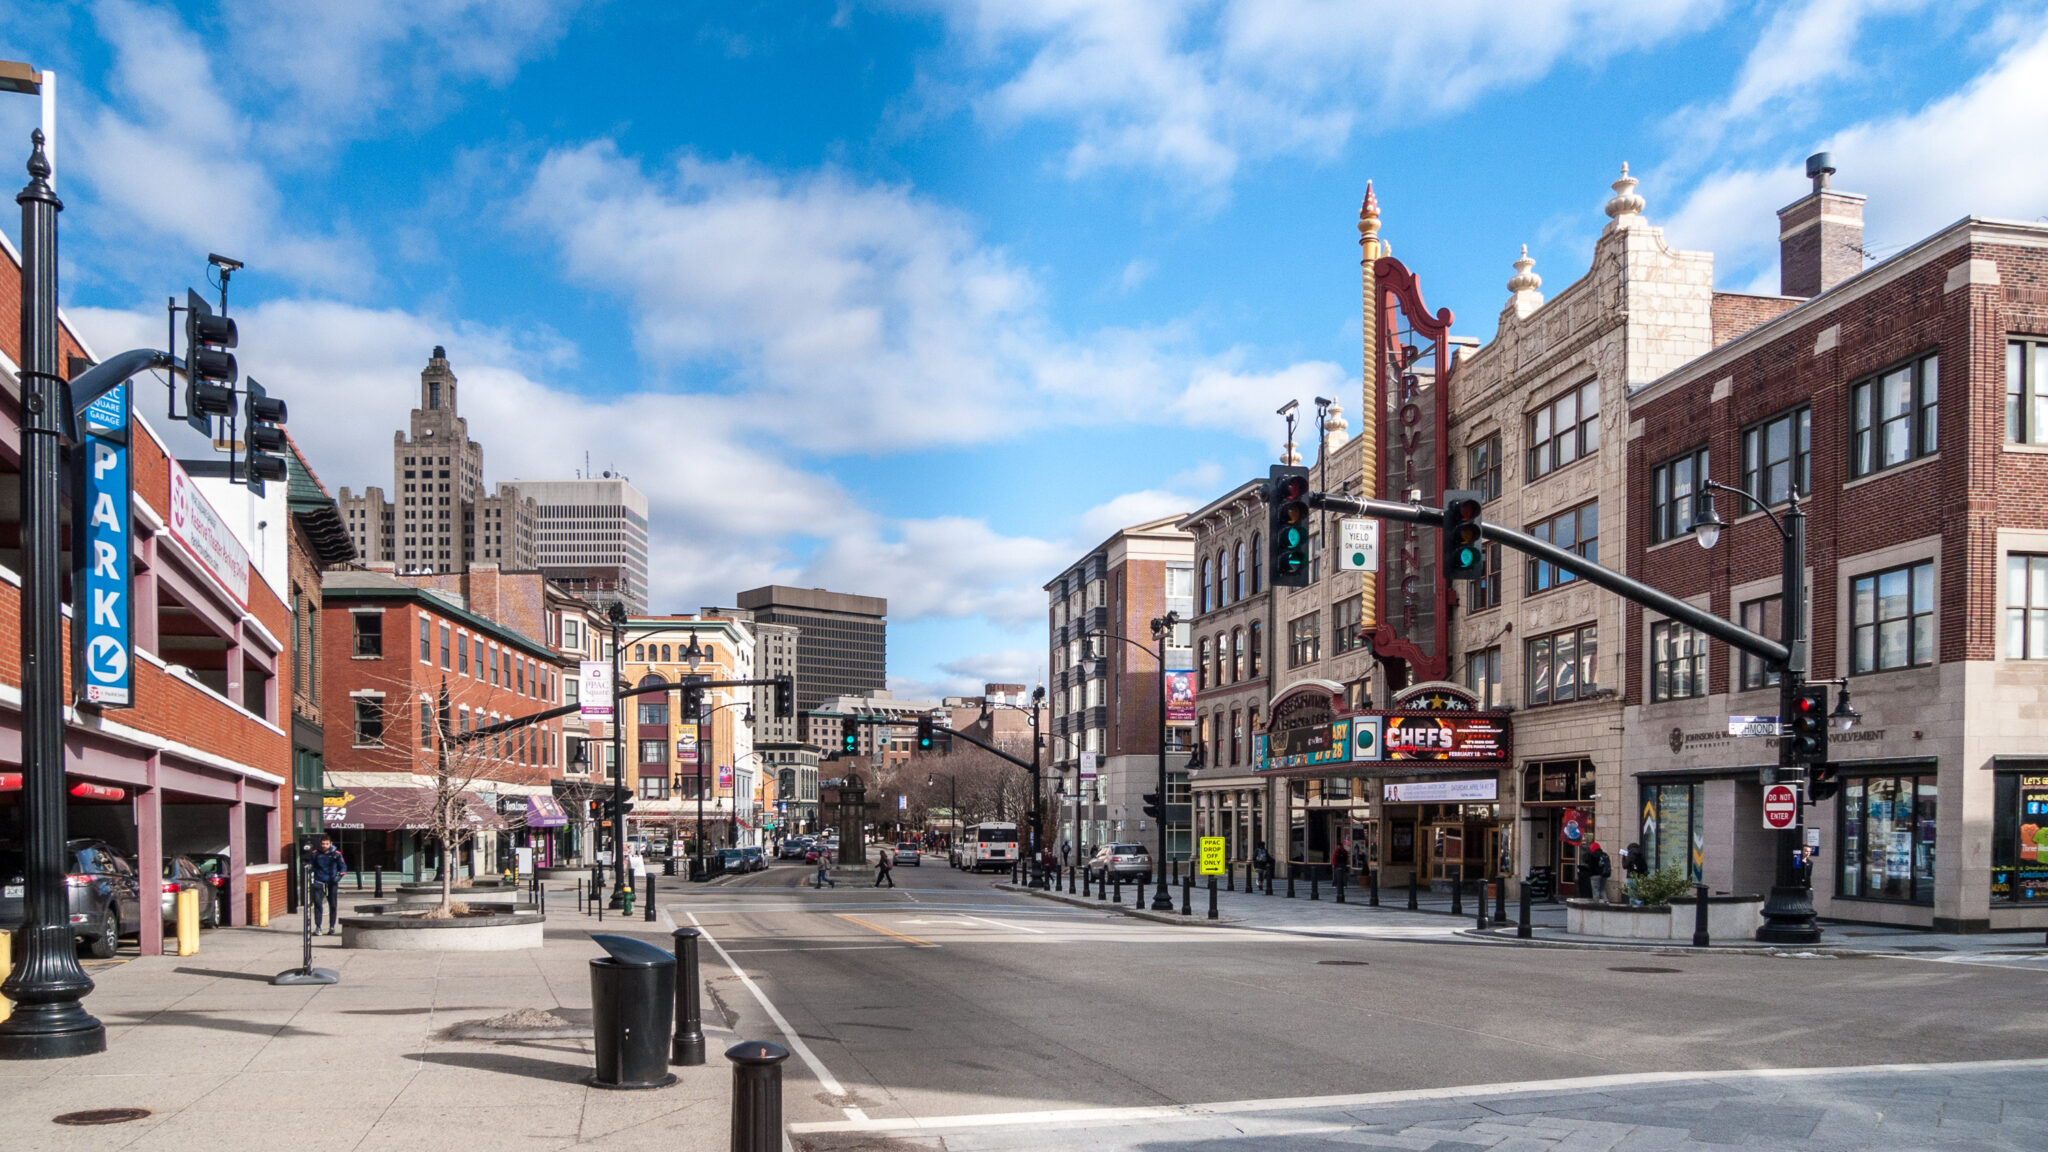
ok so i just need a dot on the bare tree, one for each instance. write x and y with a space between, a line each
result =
987 786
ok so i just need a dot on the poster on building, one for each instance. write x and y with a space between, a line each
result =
1087 767
1443 791
101 669
201 531
686 746
594 689
1445 738
725 777
1180 697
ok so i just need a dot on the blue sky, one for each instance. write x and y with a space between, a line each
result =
920 300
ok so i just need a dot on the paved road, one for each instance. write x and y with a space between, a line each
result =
946 998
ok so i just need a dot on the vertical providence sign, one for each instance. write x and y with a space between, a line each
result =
1410 372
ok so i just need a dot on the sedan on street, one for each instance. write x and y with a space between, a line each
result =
1120 860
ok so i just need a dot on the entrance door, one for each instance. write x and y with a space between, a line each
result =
1446 853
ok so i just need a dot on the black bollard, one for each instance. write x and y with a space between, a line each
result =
1457 897
1500 900
1413 904
688 1046
1075 883
579 893
380 882
1522 928
1315 883
1339 881
1290 881
650 898
756 1095
1480 922
1102 886
1187 893
1372 879
1117 889
1269 882
1230 875
1212 898
359 880
1699 920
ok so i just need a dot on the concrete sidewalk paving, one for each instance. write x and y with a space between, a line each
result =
224 1060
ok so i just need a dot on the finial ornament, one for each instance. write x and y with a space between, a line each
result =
38 160
1525 279
1625 201
1336 429
1369 216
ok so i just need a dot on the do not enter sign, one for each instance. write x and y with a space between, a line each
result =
1781 806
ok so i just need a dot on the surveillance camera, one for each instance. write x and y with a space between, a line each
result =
219 261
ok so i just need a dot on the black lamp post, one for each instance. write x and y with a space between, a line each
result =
616 616
1788 912
1162 631
1031 717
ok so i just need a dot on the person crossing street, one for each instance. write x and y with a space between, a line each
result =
885 863
327 866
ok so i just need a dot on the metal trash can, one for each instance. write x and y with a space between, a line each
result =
632 1006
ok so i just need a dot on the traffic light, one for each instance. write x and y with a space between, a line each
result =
1823 782
210 369
849 735
693 705
924 733
1287 523
1805 733
785 697
1153 808
1464 557
264 440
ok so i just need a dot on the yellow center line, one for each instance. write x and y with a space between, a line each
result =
885 931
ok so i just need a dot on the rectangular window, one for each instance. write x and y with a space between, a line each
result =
1777 456
1562 666
1305 640
1671 833
369 627
1482 467
654 788
2026 607
426 724
1574 530
444 647
1891 619
1482 676
1678 661
2019 838
426 641
654 751
369 721
1252 646
462 654
1486 589
1564 430
1887 833
1345 618
2026 391
1765 617
653 712
1673 486
1893 416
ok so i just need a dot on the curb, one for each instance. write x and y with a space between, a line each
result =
1673 947
1139 913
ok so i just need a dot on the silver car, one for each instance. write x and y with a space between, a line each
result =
1120 860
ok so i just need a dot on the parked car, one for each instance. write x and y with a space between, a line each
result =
757 859
908 853
214 867
181 874
794 847
813 854
104 894
1114 860
729 860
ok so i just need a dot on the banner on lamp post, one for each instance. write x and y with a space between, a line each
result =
594 689
1180 697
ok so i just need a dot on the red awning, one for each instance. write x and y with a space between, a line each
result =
398 810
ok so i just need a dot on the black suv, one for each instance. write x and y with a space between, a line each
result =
101 887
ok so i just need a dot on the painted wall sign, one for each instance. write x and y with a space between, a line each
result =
1442 791
1410 371
205 535
1446 738
102 648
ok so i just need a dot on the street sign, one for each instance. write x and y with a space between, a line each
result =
1212 855
1781 806
1753 726
1358 548
101 671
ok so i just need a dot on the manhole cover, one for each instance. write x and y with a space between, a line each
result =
1640 968
100 1116
1342 963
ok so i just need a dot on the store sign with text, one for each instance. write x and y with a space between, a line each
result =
1446 738
196 526
1442 791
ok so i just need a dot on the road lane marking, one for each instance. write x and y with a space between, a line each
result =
831 948
1007 927
825 1079
1172 1112
873 927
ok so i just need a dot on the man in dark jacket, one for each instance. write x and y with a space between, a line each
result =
1596 868
327 866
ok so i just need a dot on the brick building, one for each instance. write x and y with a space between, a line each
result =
319 542
673 760
1908 403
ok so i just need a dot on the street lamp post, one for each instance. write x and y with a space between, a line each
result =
1032 717
616 616
1788 912
1162 631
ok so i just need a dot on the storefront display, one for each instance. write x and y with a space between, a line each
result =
1887 838
1671 833
2019 838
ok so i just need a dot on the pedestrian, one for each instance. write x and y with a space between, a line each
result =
1263 861
824 874
1635 867
1597 868
1066 850
327 866
1340 865
884 862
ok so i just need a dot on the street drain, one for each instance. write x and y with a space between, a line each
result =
1342 963
1638 968
100 1116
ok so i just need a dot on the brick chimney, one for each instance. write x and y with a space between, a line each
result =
1820 237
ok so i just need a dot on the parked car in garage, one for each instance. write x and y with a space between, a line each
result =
181 873
104 894
1125 860
214 866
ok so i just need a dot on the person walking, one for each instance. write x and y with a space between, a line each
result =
1262 860
824 876
1340 865
327 867
884 862
1597 868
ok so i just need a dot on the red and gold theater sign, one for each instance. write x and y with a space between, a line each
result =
1411 374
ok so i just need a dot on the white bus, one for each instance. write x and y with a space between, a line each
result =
986 845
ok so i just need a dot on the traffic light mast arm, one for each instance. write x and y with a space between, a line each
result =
889 722
566 709
1772 653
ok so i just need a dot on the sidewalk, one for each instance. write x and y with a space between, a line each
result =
224 1060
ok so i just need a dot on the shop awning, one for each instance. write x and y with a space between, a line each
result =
397 810
544 812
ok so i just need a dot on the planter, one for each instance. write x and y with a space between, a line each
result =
1729 918
410 896
496 932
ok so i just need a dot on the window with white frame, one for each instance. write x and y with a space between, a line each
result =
1678 661
2026 607
1561 666
1564 430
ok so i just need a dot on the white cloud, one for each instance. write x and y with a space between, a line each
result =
1921 170
1221 396
1196 87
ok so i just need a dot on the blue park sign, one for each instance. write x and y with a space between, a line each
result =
102 664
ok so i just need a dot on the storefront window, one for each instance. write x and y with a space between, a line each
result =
1888 838
1671 835
2019 838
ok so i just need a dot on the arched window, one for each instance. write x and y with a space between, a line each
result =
1202 668
1252 651
1236 736
665 657
1222 659
1255 564
1239 592
1223 578
1208 576
639 653
1236 654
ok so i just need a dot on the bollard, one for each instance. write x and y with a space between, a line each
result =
756 1095
359 880
1138 894
1699 920
1412 903
1290 881
1457 897
688 1046
186 904
1339 881
1230 875
1187 892
380 882
650 898
1102 886
579 893
262 909
1500 900
1480 920
1117 889
1074 879
1315 883
1269 883
1372 878
1522 928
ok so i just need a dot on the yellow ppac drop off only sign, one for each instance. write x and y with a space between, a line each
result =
1212 856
